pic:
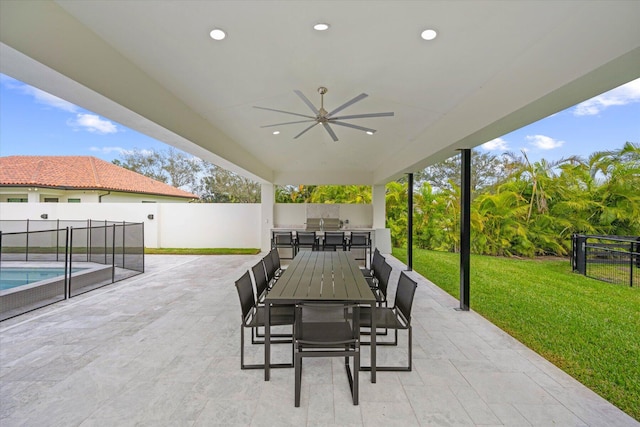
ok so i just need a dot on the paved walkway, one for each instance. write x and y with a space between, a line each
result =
162 349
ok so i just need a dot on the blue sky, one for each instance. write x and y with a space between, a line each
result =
33 122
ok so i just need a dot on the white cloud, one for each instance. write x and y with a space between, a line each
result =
496 144
623 95
41 97
143 152
107 150
49 100
544 142
93 123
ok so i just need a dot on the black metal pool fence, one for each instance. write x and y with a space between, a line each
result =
613 259
107 251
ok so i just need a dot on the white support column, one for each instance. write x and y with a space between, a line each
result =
382 235
267 202
378 198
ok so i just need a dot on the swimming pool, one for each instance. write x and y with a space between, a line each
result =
46 284
11 277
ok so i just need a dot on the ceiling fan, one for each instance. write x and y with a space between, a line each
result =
326 118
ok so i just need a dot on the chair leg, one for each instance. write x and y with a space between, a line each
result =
410 338
395 342
356 377
261 365
298 378
255 334
241 347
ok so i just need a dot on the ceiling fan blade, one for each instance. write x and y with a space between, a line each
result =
305 130
349 125
330 132
287 123
306 101
285 112
348 103
362 116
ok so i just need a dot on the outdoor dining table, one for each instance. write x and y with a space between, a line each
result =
320 277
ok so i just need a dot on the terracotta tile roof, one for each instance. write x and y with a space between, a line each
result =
80 172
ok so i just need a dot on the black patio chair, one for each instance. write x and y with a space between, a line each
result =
361 240
306 239
396 317
283 239
272 269
253 316
382 282
260 278
277 266
382 276
333 239
376 262
327 330
262 288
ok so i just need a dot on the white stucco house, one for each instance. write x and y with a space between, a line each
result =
79 179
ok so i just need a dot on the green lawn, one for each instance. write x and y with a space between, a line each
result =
588 328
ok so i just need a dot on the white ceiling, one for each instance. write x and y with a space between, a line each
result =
496 66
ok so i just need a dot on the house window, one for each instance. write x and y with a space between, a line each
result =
51 200
73 200
16 200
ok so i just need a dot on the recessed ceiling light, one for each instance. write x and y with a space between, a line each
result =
321 26
429 34
369 132
276 132
217 34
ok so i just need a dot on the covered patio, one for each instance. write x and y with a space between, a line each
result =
163 349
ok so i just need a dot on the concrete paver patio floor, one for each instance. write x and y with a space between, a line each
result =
162 348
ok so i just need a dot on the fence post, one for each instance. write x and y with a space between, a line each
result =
581 254
88 251
57 240
113 252
142 225
68 254
26 249
124 229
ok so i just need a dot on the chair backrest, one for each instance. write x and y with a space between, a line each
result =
260 277
269 267
246 295
360 238
326 324
377 262
334 237
404 296
283 238
275 259
383 277
306 237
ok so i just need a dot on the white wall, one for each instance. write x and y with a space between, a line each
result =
186 225
208 225
294 215
174 225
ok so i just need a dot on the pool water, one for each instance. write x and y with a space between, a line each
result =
11 277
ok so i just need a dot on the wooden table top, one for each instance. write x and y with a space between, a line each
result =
321 277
